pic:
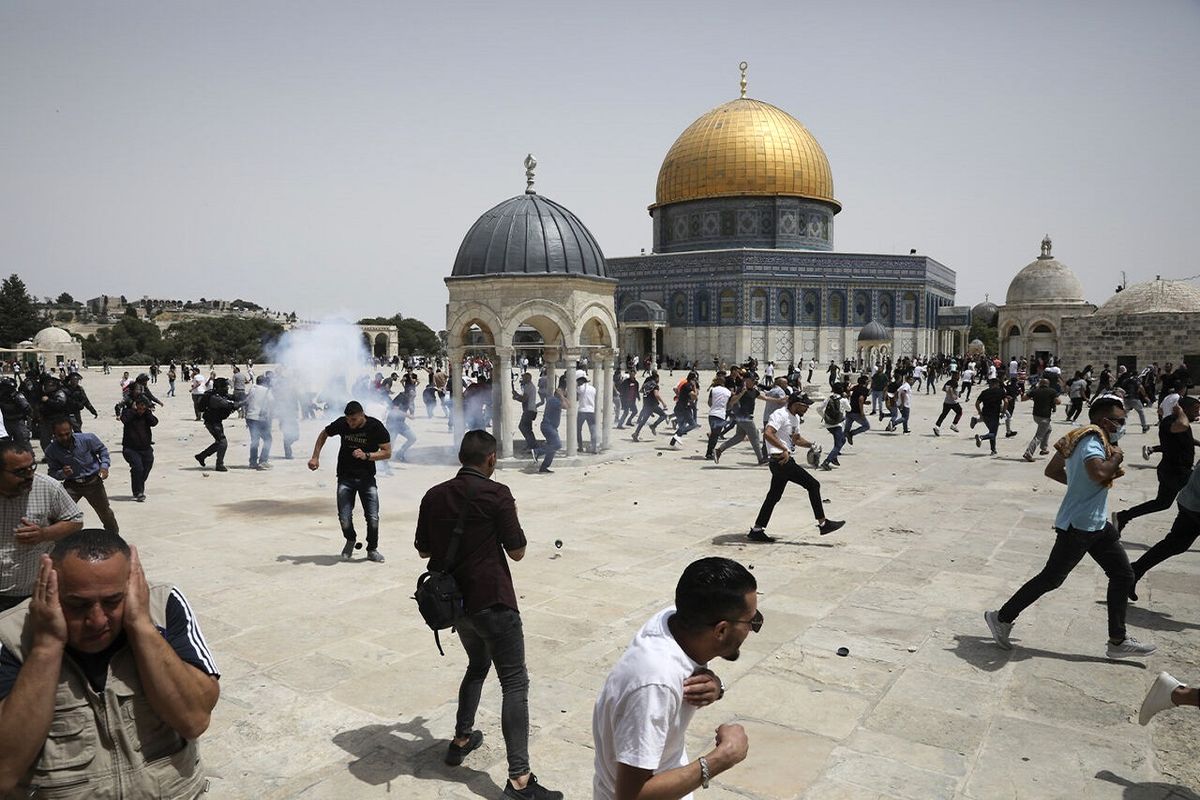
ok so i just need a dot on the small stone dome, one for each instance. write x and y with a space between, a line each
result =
1154 297
986 312
49 338
529 235
874 332
1045 281
975 346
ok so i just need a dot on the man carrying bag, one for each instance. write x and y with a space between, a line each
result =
480 515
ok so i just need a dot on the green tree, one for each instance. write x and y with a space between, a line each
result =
223 339
130 339
988 334
18 315
65 299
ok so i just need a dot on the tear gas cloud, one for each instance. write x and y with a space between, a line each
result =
324 361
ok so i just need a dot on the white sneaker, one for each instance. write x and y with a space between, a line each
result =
936 431
1146 452
1000 630
953 427
1158 698
1130 648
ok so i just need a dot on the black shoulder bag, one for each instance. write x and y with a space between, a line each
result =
438 597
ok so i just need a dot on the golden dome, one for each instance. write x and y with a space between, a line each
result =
745 147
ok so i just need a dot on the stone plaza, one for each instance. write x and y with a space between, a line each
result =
332 686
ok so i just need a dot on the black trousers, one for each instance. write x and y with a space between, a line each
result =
220 443
782 474
1170 481
1070 546
525 426
1177 541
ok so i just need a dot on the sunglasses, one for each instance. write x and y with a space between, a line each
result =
24 472
755 622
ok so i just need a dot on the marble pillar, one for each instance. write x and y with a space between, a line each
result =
502 411
570 442
457 418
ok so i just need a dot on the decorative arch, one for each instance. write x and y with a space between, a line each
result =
837 308
597 327
1013 330
758 305
677 311
810 307
381 348
862 308
703 306
785 308
476 314
728 306
1041 327
549 319
887 308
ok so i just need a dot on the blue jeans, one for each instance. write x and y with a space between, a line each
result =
260 432
839 439
364 488
877 404
904 412
553 443
686 418
852 431
495 636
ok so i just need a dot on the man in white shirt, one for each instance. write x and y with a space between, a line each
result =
640 720
781 440
258 421
968 379
586 396
718 405
833 416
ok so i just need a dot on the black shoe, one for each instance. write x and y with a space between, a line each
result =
455 753
1132 592
974 421
220 468
199 460
830 525
532 791
759 535
1010 434
546 470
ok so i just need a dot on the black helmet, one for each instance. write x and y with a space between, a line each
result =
74 376
7 385
143 378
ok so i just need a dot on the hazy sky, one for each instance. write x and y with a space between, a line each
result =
328 157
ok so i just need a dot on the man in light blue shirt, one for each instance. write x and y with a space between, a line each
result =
1087 462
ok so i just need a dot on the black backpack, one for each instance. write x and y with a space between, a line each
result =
833 410
438 597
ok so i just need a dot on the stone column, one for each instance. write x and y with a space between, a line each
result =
606 421
457 418
502 412
571 405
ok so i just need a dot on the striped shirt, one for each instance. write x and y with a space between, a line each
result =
45 504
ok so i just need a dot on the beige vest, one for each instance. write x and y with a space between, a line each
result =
108 745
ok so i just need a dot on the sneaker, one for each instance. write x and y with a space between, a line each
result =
717 456
1130 648
200 460
1159 697
1115 519
532 791
1043 452
1146 450
1028 457
827 467
759 535
1000 630
545 470
348 551
141 498
635 438
674 441
974 421
653 432
455 753
1010 434
936 431
1145 429
264 465
220 468
830 525
978 441
954 427
375 555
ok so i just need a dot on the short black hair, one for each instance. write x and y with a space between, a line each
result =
90 544
712 589
13 446
352 408
1102 407
476 446
56 421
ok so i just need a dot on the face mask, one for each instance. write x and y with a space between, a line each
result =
1115 436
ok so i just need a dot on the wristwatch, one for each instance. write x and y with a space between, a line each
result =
705 775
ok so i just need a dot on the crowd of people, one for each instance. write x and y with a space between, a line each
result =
82 614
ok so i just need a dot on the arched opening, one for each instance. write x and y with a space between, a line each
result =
1042 327
728 306
758 305
1014 331
382 347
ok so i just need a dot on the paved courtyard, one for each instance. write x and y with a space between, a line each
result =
333 688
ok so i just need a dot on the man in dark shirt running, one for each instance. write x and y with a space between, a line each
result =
989 405
1044 398
858 412
1179 456
490 630
365 440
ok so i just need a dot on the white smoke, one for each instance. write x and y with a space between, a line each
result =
325 361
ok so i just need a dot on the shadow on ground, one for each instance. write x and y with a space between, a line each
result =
386 752
983 653
313 506
739 539
1148 791
319 560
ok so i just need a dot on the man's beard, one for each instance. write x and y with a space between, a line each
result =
733 656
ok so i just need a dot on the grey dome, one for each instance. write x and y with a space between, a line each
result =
529 235
1154 297
986 312
874 332
1045 281
47 338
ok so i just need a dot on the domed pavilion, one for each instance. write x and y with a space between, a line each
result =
530 277
1153 322
1040 297
57 346
743 260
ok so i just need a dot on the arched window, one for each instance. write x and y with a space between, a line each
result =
679 307
758 305
728 306
1014 331
862 307
885 308
785 307
837 308
810 308
702 307
1042 327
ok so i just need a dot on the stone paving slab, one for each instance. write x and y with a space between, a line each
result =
332 687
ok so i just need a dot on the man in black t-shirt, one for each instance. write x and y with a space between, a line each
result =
741 411
989 405
1044 398
365 440
1178 458
858 413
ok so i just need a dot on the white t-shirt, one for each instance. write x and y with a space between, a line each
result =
845 410
640 718
904 396
718 401
991 371
785 424
968 374
918 372
587 398
1168 404
769 408
258 402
